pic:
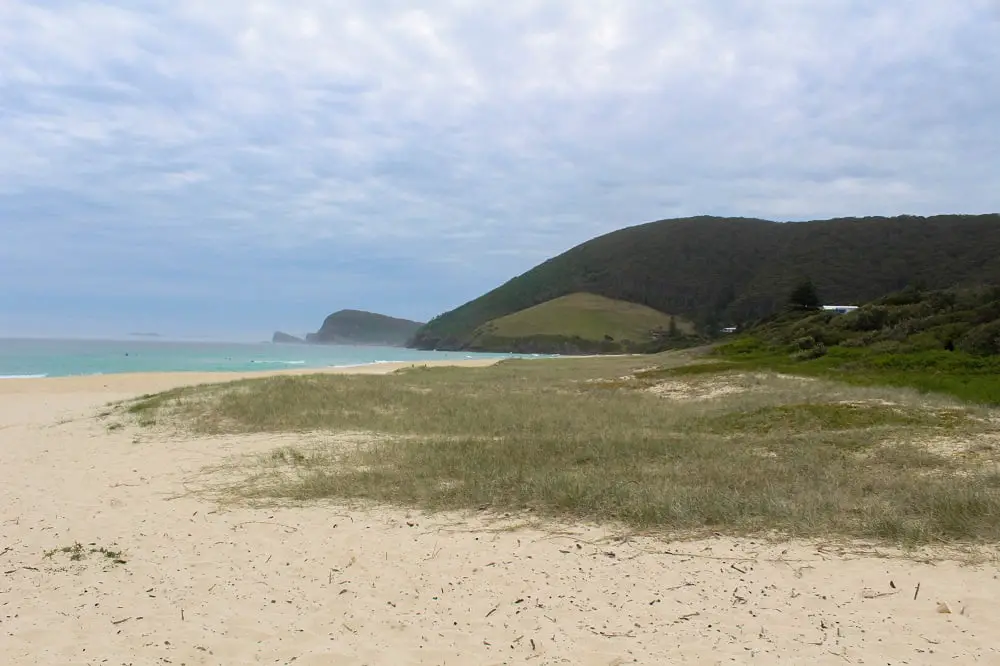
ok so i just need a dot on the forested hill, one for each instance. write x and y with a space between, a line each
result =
726 270
357 327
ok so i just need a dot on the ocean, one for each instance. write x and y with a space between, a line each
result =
20 358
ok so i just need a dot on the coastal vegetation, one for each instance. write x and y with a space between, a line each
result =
723 271
944 341
683 441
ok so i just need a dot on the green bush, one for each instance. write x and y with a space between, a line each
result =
867 318
807 342
982 340
816 351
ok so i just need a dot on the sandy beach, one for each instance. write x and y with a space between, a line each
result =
314 585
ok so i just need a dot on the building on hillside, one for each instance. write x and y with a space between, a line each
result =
729 329
840 309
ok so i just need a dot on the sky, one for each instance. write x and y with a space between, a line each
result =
224 169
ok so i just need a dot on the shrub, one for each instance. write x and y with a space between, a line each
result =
816 351
867 319
982 340
807 342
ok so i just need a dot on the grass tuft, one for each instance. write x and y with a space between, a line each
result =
77 552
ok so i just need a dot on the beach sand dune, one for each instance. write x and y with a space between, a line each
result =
323 584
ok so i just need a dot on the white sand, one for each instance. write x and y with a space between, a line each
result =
323 585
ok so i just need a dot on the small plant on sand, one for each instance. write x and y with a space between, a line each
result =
77 552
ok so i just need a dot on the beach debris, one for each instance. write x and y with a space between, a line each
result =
916 592
869 593
943 608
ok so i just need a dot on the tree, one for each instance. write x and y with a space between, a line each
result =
804 296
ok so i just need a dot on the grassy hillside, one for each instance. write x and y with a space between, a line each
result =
356 327
727 270
939 341
578 323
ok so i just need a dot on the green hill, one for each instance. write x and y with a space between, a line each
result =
356 327
727 270
578 324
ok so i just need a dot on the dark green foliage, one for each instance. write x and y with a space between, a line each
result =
943 341
804 296
983 340
739 270
364 328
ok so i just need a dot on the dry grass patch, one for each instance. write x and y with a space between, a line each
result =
799 458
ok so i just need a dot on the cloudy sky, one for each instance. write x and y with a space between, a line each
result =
230 167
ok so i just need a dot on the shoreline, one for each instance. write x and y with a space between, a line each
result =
152 382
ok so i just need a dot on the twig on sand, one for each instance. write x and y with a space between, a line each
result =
688 616
288 528
605 634
121 621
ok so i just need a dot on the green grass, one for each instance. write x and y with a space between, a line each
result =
974 379
586 316
586 440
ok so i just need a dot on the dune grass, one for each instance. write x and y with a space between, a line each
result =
593 439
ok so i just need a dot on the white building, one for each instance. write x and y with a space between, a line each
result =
840 309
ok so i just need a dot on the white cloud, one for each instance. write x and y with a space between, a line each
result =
497 133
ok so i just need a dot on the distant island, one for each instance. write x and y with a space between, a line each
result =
357 327
145 335
286 339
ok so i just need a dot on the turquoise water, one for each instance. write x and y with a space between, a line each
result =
61 358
